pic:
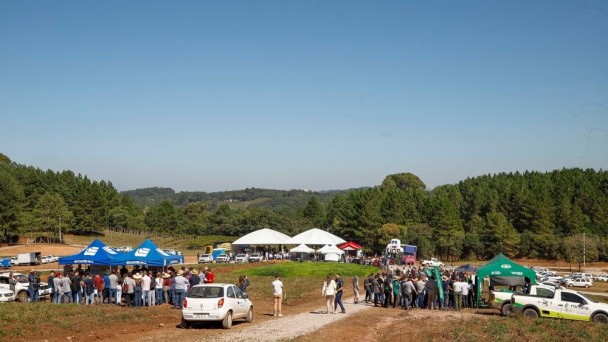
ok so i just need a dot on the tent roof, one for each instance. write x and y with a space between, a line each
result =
315 236
502 266
350 246
264 236
97 253
302 249
148 254
330 249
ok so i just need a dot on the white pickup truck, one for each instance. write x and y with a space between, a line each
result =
565 304
432 262
501 300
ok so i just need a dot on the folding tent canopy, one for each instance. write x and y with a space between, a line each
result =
148 254
97 253
264 236
330 249
302 249
315 236
350 246
503 271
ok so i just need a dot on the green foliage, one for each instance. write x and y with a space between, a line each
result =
403 181
11 202
312 269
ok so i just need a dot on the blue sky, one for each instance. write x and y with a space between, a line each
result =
212 96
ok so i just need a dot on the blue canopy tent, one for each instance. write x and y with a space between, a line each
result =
97 253
147 254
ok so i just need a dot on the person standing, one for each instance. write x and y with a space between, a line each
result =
277 294
129 285
367 285
376 290
98 289
113 287
356 289
76 287
339 293
146 281
329 292
432 289
137 290
89 290
243 283
458 295
67 288
194 278
396 292
32 287
158 288
167 287
181 283
58 289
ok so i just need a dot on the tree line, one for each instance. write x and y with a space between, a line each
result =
550 215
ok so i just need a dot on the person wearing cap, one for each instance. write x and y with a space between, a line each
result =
167 287
137 289
194 278
180 290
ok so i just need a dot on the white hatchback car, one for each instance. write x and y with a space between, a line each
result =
216 302
241 258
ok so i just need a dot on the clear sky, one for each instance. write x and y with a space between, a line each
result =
223 95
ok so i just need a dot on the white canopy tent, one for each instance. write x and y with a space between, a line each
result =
330 249
315 236
264 236
302 249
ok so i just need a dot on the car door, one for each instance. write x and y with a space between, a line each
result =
241 302
573 306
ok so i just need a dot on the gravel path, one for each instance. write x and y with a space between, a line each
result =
291 326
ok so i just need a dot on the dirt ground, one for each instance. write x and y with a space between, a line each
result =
375 324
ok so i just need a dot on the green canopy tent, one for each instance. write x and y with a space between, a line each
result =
503 271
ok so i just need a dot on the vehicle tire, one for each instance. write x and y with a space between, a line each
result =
23 296
529 312
600 318
569 285
587 286
249 317
506 309
227 322
186 324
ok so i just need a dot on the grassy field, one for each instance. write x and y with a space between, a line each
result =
301 281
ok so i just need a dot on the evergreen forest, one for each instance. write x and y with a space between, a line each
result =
562 214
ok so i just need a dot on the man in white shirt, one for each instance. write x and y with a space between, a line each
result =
465 294
458 286
181 283
145 289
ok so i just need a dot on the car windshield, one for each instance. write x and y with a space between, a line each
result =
206 292
205 256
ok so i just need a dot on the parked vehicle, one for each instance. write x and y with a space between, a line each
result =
44 260
53 258
216 302
579 282
432 262
222 258
565 304
205 259
501 300
21 286
255 257
5 263
13 260
34 258
241 258
6 295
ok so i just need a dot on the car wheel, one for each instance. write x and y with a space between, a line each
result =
507 309
186 324
249 317
600 318
529 312
587 286
569 285
227 322
23 296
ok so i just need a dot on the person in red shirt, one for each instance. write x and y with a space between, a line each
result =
98 288
209 277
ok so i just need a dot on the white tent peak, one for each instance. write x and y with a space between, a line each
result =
264 236
315 236
302 249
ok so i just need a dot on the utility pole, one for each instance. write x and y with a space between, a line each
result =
584 249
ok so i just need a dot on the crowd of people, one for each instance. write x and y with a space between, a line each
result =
411 287
138 287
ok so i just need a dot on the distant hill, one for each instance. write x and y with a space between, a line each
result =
250 197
